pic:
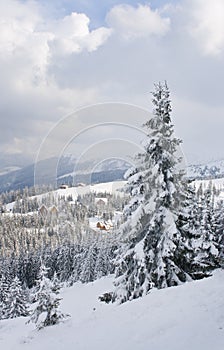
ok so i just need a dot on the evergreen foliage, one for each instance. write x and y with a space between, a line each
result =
198 252
14 299
47 312
4 296
17 301
149 257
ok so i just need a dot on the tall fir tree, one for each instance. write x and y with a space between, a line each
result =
209 254
4 296
151 238
89 263
219 232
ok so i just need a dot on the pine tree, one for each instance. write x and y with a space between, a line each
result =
16 301
151 237
89 262
197 252
219 233
104 261
77 263
4 297
208 257
46 312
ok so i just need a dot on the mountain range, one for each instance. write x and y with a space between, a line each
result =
16 176
66 171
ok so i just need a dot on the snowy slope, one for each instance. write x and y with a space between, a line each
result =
109 187
190 316
112 187
95 170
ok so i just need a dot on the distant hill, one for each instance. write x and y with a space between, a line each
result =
93 172
67 172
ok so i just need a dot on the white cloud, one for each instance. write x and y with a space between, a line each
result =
30 40
72 34
207 25
19 39
28 51
131 22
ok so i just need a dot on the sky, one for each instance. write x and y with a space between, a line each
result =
59 56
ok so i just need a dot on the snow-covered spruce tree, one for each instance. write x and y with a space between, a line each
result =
219 220
104 262
4 296
77 263
149 255
89 262
209 253
197 251
16 302
46 312
208 256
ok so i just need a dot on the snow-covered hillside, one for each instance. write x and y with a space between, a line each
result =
109 187
190 316
95 170
68 171
113 187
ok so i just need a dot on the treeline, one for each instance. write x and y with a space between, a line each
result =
12 196
86 260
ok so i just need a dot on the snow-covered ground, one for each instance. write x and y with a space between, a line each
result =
188 317
109 187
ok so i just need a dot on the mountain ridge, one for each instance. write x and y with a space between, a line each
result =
92 171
